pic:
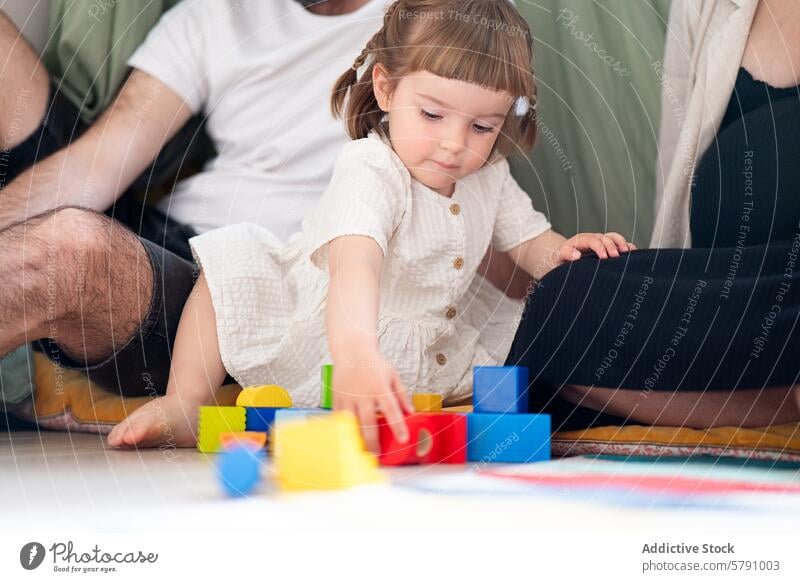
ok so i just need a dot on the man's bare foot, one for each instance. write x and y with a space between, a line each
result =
167 420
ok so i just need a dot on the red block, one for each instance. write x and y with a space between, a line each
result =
433 438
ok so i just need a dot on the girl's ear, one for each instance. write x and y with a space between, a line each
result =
381 86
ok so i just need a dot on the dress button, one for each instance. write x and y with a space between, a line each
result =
451 313
455 209
441 359
458 263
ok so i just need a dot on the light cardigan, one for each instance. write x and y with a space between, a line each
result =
706 40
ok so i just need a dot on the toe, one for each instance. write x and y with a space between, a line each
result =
114 437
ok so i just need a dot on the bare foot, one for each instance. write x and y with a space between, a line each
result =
167 420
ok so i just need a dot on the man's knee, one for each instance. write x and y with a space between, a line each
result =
69 232
83 250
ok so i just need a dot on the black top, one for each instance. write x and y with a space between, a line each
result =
749 94
745 187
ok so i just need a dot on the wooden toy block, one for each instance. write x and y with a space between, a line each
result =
260 419
213 421
239 468
258 439
458 409
270 395
451 438
508 438
326 399
500 389
433 438
284 414
322 452
427 402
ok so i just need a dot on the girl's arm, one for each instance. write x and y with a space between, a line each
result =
363 381
540 255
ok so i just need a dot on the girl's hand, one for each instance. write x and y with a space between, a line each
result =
366 384
604 246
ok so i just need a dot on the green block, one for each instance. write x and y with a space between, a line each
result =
326 401
214 420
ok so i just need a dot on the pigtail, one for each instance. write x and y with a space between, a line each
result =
340 88
353 97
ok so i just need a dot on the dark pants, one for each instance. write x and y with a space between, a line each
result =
722 315
141 366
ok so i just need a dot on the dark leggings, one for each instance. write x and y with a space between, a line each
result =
722 315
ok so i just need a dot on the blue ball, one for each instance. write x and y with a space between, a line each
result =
239 468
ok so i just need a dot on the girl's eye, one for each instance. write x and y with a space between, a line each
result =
483 128
429 115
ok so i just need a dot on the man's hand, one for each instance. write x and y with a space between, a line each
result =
94 170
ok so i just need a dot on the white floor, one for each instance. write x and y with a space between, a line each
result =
57 482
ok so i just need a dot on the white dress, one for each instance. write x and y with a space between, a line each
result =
437 317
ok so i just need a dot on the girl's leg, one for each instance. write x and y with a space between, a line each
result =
196 373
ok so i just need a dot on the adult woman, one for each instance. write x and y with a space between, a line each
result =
703 335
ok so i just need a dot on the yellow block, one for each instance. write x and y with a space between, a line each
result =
268 396
249 436
213 421
427 402
322 452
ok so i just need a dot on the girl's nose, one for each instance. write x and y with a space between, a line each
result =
453 145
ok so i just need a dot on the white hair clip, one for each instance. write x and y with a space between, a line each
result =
522 106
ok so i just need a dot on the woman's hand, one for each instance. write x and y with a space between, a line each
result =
610 244
366 384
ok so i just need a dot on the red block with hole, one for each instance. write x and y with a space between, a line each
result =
433 438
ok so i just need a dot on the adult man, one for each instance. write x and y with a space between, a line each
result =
107 298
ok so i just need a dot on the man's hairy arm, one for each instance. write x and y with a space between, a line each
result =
94 170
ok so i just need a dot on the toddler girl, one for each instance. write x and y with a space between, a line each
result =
387 264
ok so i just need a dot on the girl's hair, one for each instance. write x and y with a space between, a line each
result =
485 42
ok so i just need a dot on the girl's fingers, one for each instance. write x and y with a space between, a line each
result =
365 411
593 242
610 245
394 418
568 252
619 240
402 394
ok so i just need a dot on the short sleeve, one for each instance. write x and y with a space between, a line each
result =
365 197
516 220
175 52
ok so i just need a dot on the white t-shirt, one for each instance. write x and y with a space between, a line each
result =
262 72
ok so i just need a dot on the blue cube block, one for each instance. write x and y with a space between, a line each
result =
500 389
508 438
259 419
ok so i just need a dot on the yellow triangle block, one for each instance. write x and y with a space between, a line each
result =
268 396
322 452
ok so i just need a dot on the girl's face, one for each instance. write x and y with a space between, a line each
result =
442 129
